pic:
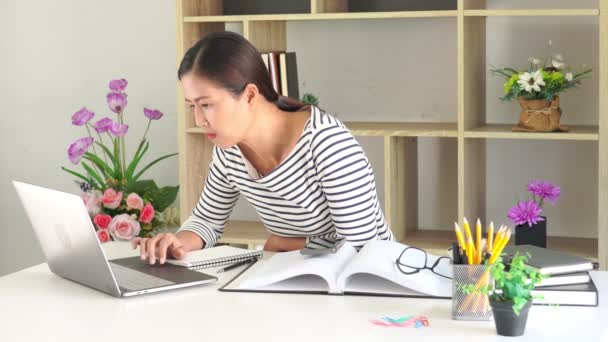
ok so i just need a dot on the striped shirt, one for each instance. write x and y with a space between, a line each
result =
324 190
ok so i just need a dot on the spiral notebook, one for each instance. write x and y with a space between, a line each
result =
215 256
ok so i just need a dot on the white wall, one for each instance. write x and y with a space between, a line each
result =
57 56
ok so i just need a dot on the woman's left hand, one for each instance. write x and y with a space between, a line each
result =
277 243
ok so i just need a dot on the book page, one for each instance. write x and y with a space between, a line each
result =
282 266
378 259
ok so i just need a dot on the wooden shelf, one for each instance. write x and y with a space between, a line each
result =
531 13
434 241
391 129
438 241
321 16
403 129
244 232
503 131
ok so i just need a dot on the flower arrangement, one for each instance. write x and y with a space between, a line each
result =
529 211
540 81
120 203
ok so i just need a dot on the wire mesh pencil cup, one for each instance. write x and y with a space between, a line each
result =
474 306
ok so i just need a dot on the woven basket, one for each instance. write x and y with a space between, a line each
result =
539 116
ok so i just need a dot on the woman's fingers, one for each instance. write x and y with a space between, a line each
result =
152 248
163 245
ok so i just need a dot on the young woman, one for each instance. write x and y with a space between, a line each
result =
306 175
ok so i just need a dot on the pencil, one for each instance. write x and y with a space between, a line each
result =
490 236
478 241
459 237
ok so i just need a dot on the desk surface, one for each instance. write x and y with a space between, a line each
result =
36 305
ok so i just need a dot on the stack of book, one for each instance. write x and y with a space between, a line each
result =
283 71
568 281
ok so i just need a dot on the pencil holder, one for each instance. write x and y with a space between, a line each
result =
474 306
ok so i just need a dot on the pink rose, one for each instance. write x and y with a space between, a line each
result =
124 227
92 202
147 213
134 202
111 199
103 235
102 220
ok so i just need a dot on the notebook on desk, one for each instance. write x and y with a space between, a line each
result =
215 257
372 271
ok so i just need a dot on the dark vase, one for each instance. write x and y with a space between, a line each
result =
535 235
506 321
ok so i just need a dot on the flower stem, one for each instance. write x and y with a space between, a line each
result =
146 132
94 149
122 142
105 158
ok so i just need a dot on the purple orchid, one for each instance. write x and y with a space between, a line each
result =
118 86
103 125
525 212
153 114
117 102
118 130
545 191
78 148
82 116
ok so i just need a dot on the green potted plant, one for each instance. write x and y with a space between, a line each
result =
510 294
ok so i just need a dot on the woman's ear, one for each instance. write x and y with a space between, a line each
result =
251 93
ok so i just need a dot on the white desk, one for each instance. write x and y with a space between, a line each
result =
36 305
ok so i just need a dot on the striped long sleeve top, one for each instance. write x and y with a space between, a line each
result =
324 190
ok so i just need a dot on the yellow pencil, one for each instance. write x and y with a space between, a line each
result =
490 236
467 230
499 249
479 250
499 236
470 250
482 245
459 237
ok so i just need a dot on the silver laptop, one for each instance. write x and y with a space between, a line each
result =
69 242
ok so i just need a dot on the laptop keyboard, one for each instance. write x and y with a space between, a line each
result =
135 280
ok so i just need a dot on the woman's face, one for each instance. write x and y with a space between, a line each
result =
222 117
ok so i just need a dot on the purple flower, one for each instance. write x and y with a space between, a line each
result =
153 114
118 130
82 116
103 125
117 102
118 86
525 212
78 148
545 191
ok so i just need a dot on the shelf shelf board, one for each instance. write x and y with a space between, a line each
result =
438 241
403 129
244 232
322 16
394 129
503 131
531 12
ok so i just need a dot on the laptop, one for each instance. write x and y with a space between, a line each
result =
72 250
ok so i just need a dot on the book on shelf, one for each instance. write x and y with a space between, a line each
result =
215 256
550 262
283 70
371 271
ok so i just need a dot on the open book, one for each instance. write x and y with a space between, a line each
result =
372 271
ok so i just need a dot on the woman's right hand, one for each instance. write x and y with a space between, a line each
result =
159 247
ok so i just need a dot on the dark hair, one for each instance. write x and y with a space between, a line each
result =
233 62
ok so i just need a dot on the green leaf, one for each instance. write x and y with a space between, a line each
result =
152 163
136 159
93 174
88 180
105 169
164 197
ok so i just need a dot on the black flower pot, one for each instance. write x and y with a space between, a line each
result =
535 235
507 322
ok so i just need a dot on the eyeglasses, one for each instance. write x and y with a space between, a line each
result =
413 260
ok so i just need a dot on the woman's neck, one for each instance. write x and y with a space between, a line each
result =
272 136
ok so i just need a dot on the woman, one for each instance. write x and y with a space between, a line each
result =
308 178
